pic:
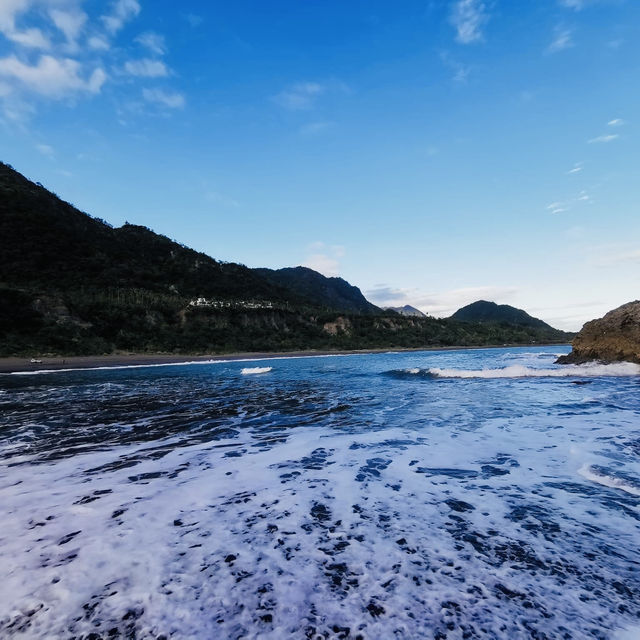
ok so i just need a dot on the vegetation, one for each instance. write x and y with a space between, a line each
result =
72 284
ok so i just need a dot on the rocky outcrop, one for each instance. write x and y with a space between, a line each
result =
612 338
340 325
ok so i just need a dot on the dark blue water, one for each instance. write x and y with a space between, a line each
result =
466 494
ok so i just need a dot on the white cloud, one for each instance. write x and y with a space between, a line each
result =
560 207
122 11
146 68
616 122
441 304
51 77
45 150
9 9
300 96
152 41
171 100
562 40
324 264
98 43
96 80
325 259
611 255
468 18
218 198
604 138
460 71
32 38
577 168
70 22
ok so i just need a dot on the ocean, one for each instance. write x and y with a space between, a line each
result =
482 493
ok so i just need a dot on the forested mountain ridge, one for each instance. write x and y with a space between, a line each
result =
73 284
483 311
335 293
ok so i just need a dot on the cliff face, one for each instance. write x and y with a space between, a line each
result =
612 338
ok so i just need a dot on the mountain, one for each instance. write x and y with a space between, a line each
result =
407 310
483 311
613 338
332 293
47 243
71 284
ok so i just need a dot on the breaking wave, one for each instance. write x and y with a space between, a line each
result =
250 370
520 371
610 479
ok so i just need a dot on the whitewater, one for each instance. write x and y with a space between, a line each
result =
455 494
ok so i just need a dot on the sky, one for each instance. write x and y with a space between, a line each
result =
432 153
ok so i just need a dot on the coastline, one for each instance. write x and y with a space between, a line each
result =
14 364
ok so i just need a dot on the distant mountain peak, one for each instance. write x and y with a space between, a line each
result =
331 292
487 311
408 310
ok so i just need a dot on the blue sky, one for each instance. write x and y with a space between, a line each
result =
432 153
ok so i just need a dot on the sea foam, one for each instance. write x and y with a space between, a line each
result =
520 371
610 479
251 370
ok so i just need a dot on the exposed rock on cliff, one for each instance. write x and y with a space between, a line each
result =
613 338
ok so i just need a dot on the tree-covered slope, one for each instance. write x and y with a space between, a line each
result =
46 243
72 284
483 311
333 293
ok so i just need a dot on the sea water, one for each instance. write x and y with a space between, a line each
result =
454 494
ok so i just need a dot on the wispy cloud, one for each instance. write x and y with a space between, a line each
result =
324 259
615 259
168 99
122 11
460 71
217 198
616 122
98 43
46 150
604 138
577 168
565 205
300 96
562 39
152 41
468 18
70 22
10 11
146 68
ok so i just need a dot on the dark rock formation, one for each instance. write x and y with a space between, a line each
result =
613 338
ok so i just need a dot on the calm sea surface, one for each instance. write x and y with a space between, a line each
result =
459 494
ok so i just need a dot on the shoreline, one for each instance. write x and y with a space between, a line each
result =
14 364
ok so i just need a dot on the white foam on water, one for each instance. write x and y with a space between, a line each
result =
425 514
613 482
253 370
180 364
116 366
628 633
563 371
